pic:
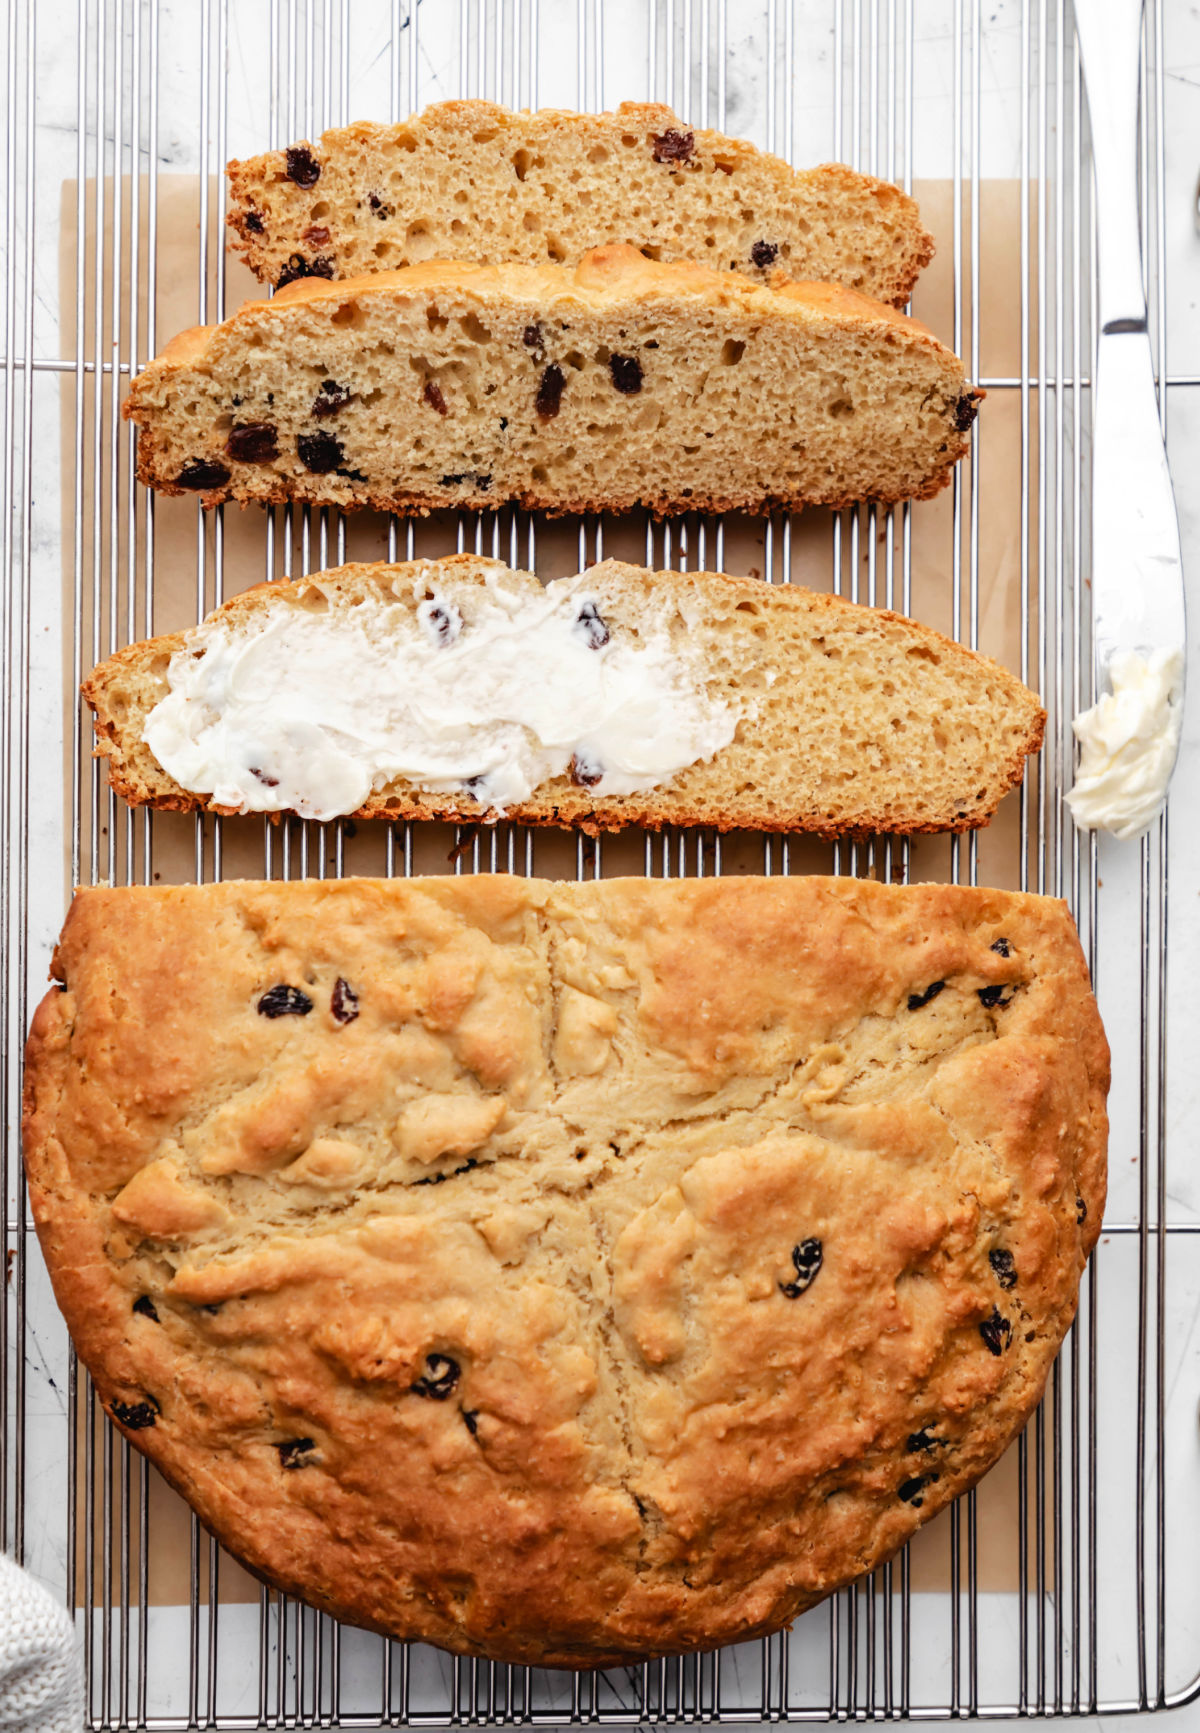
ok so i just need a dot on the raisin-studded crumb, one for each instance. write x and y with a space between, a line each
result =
993 996
470 1420
343 1001
440 1379
302 166
317 235
319 452
764 253
253 221
264 776
284 1001
807 1259
732 407
199 475
144 1306
299 267
549 392
254 442
482 482
433 396
626 373
997 1331
1001 947
331 398
672 146
136 1416
836 226
1080 1210
918 1001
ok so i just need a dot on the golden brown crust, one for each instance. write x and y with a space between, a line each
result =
613 285
828 222
613 272
634 1436
1005 718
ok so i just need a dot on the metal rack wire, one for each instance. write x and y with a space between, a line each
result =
1073 1594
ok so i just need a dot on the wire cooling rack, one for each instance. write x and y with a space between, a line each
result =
1065 1583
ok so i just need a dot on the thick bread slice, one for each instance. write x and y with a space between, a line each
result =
851 719
617 384
567 1273
468 180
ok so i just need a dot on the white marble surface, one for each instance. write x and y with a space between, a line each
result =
777 83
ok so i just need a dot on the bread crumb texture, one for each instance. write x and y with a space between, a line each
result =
567 1273
471 180
615 384
851 719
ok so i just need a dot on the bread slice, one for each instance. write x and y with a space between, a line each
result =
618 384
468 180
844 719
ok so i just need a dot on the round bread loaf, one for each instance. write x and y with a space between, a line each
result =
567 1273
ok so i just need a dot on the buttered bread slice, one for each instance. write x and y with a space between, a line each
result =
616 384
469 180
567 1273
460 689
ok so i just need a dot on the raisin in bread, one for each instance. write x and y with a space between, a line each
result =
468 180
689 1244
616 384
753 705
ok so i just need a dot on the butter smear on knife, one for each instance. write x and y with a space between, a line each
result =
1127 745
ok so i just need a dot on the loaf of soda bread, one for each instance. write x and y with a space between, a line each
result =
813 713
567 1273
469 180
614 384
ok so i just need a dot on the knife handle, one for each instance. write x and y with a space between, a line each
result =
1109 34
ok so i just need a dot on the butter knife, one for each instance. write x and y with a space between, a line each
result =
1137 573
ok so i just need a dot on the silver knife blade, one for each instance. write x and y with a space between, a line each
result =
1137 568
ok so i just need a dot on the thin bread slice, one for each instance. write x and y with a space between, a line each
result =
825 716
618 384
469 180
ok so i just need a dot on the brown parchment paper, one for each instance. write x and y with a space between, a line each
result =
133 566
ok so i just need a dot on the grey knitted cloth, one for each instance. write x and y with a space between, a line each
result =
41 1680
